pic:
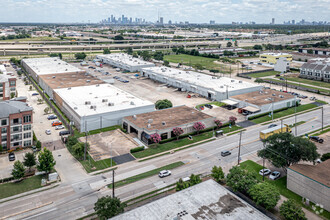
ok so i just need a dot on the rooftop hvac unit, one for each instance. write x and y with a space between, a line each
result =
134 117
132 103
111 104
104 100
75 108
163 123
150 121
66 69
240 81
281 96
232 80
273 94
97 85
92 106
69 88
54 77
88 81
221 87
87 103
149 126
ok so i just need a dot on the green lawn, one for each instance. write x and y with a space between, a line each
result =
211 103
10 189
207 63
90 165
310 82
297 84
146 174
280 184
321 101
263 74
284 113
159 148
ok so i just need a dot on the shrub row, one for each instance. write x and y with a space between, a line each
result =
8 179
137 149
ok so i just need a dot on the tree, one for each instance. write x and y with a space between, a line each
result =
46 160
80 56
180 185
232 120
325 157
162 104
284 150
166 63
106 51
38 145
265 194
118 37
174 49
290 210
60 56
46 110
72 140
257 47
177 131
229 44
156 138
310 51
79 149
1 148
145 55
199 66
29 160
198 126
194 179
129 50
217 174
241 180
236 43
218 123
107 207
158 55
18 171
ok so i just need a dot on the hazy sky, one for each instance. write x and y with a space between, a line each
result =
194 11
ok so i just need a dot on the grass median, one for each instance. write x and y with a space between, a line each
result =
283 113
263 74
90 165
28 184
310 82
146 174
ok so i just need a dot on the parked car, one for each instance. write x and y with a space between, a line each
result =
312 98
282 78
272 125
56 123
164 173
245 113
34 94
64 133
208 106
274 175
59 127
48 132
52 117
265 172
316 138
278 75
11 156
34 149
225 153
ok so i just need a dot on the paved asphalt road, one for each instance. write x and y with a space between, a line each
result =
71 201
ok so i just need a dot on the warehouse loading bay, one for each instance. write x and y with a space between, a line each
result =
152 91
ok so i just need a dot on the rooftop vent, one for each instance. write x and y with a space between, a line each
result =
75 108
111 104
134 117
54 77
88 81
87 103
97 85
232 80
240 81
69 88
149 126
150 121
104 100
273 94
281 96
163 123
132 103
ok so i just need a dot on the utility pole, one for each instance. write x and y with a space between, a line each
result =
281 125
322 118
272 109
239 148
295 116
113 175
85 140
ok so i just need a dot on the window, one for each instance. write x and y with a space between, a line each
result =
17 129
16 144
15 120
27 127
3 130
13 89
3 138
12 83
27 135
3 122
27 118
27 143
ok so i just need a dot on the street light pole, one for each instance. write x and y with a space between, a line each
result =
322 118
239 147
295 116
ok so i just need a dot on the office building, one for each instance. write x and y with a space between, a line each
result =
161 20
124 61
212 22
99 106
16 120
273 20
211 87
273 57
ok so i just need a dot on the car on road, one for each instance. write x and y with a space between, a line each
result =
274 175
34 94
272 125
225 153
316 138
59 127
11 156
56 123
48 132
52 117
265 172
164 173
64 133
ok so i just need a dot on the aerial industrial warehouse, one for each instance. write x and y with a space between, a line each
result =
99 106
125 61
214 88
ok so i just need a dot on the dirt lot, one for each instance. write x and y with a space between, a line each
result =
117 141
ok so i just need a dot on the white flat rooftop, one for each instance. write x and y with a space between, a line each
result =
202 80
125 59
275 54
103 97
52 65
207 200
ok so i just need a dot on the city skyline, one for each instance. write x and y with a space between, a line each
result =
259 11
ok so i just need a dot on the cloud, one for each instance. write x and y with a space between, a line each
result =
195 11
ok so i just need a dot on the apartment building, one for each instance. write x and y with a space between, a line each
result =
317 69
7 87
16 120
